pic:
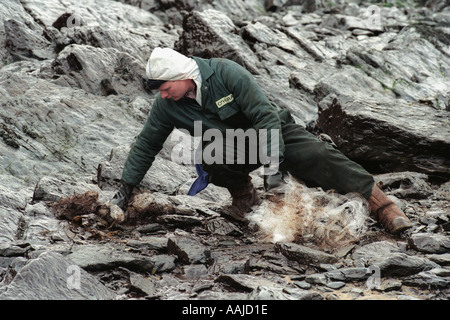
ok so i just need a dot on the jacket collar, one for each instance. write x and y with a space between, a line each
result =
205 70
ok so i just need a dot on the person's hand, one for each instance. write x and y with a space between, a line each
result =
122 196
275 183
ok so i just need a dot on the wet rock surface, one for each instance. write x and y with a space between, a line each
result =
72 100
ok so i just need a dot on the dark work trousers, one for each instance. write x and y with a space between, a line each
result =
306 158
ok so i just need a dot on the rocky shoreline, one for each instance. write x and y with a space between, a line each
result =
373 79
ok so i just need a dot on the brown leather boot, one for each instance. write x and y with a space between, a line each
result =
387 213
244 198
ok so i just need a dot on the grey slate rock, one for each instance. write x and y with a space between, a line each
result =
10 224
188 251
58 282
98 257
427 280
430 243
390 259
441 259
413 138
222 37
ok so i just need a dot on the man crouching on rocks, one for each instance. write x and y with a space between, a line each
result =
222 95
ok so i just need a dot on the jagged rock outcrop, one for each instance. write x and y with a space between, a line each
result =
360 128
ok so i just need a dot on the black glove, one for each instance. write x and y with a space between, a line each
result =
275 183
122 196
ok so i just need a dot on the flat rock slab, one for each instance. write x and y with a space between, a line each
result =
264 289
98 257
51 276
391 260
430 242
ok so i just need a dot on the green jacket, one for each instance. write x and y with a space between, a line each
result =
231 99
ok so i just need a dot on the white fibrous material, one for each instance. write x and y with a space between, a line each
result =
312 214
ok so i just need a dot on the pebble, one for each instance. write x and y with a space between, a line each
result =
335 284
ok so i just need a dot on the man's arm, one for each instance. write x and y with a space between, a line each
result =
147 145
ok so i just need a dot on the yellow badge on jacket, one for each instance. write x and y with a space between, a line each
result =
225 100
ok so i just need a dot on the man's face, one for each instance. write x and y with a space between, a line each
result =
175 90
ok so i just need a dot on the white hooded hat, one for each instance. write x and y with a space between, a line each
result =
169 65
